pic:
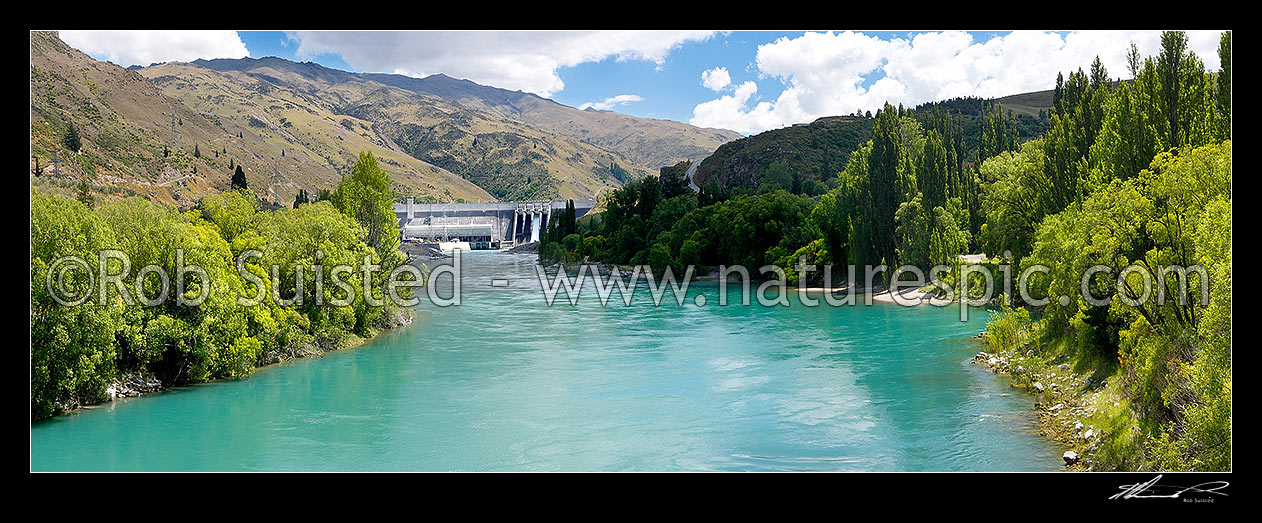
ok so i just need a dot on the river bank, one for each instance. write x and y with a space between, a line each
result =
141 382
1073 409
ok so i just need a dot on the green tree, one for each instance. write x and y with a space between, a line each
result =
84 193
238 180
368 196
71 139
301 198
1223 93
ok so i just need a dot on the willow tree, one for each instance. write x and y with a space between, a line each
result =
367 196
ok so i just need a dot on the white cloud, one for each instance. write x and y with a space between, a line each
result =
127 48
611 102
824 74
716 79
521 60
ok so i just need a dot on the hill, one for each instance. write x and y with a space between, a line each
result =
1027 103
818 150
815 151
645 142
125 121
509 158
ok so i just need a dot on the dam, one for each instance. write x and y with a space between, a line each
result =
494 225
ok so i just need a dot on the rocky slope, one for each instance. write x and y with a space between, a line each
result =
282 141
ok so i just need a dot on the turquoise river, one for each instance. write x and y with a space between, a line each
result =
505 382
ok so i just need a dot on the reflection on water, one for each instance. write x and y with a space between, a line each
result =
504 382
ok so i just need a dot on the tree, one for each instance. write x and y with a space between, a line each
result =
777 177
71 139
1182 95
301 198
238 180
931 171
1223 94
197 153
884 186
367 196
84 193
675 179
1133 60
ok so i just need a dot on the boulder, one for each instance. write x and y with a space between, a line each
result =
1029 353
1070 457
1038 387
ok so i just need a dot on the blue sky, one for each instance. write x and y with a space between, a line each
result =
773 79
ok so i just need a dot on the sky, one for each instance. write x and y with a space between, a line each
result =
745 81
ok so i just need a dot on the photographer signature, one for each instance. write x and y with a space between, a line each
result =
1151 489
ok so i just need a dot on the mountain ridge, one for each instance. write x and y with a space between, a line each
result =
648 142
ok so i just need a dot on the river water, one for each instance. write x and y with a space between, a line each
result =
505 382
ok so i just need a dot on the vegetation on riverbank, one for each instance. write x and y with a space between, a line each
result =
1129 173
78 351
1140 175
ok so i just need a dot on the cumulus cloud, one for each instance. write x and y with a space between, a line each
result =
521 60
827 74
613 101
128 48
716 79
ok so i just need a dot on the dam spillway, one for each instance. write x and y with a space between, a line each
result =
482 225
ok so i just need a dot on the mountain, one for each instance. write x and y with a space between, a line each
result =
125 120
646 142
509 158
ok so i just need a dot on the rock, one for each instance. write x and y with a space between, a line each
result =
1088 434
1070 457
1064 366
1078 426
992 361
1029 353
1056 407
1088 382
1038 387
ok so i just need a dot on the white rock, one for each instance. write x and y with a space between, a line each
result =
1070 457
1038 387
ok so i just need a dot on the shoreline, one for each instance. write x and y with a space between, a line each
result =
906 296
1064 402
135 384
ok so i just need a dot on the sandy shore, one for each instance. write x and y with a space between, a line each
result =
906 297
